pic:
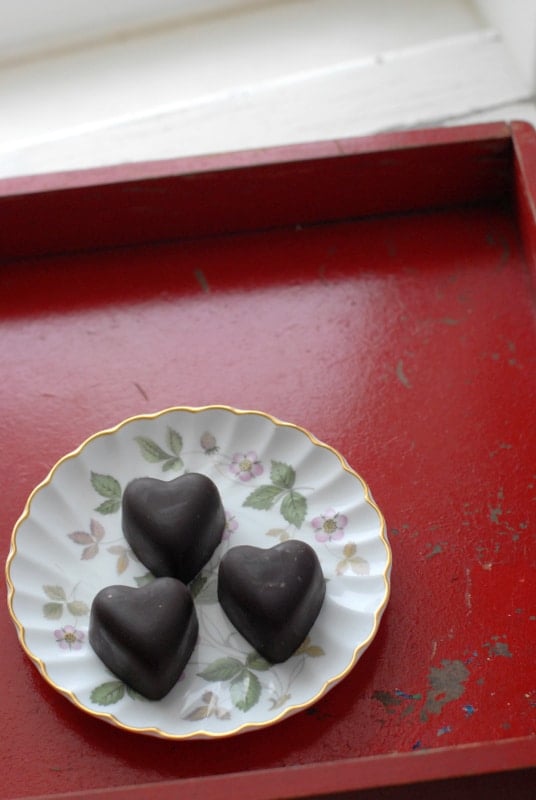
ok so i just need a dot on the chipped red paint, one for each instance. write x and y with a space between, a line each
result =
404 340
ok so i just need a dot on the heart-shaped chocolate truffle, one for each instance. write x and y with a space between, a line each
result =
145 636
272 596
173 526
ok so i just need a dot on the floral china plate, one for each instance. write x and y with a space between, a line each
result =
277 482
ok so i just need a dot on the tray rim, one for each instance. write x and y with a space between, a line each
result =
301 184
418 139
423 769
485 757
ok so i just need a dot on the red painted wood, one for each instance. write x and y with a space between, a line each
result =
482 135
405 341
417 772
283 186
525 178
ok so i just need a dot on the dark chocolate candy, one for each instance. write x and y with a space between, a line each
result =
272 596
145 636
173 526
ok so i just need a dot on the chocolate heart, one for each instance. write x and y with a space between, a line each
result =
145 636
173 526
272 596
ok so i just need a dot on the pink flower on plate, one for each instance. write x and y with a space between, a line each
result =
69 638
231 524
246 465
329 526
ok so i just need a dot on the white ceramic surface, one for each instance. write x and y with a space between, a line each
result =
277 482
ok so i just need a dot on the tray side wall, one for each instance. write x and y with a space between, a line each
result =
347 179
403 775
524 141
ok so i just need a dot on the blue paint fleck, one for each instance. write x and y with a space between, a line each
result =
469 710
443 731
472 657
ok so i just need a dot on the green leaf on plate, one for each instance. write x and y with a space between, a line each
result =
78 608
257 662
134 694
143 580
174 441
223 669
54 592
108 693
208 595
106 485
294 508
263 497
245 690
282 475
109 506
53 610
172 463
197 584
150 450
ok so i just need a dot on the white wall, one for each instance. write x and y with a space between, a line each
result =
37 26
515 20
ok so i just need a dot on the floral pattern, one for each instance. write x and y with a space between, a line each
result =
352 561
235 678
91 542
246 466
231 525
281 489
329 526
59 603
237 674
208 443
69 638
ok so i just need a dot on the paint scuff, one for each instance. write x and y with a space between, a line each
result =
202 280
447 683
468 587
391 701
498 647
401 375
436 550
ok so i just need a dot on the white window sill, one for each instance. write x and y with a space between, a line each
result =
265 74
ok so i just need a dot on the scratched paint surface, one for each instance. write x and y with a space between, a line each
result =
408 344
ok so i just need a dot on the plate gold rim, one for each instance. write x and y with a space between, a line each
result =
287 711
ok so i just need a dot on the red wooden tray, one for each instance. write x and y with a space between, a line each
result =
374 291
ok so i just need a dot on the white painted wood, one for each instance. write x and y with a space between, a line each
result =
185 65
525 112
31 28
393 92
271 73
515 20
